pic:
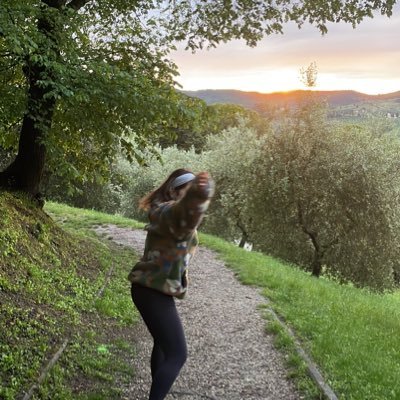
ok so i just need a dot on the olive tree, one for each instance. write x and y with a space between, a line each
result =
328 195
232 158
321 195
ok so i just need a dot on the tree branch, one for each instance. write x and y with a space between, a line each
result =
54 3
77 4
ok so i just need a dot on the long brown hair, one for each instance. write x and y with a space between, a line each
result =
162 193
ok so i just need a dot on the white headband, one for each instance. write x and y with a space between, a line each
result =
182 179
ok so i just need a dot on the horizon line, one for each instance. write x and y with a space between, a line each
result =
291 91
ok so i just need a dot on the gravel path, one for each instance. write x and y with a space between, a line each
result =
230 355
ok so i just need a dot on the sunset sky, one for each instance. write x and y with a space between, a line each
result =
366 59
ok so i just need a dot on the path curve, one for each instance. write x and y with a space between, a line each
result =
230 355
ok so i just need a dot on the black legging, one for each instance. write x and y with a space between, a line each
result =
169 352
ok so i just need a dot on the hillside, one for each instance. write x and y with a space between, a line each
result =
64 293
55 298
341 102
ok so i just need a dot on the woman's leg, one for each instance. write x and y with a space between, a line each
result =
169 353
157 357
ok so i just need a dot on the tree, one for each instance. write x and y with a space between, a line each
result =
79 72
320 195
212 119
81 89
327 196
233 159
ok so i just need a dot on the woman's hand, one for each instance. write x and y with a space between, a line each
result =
203 178
205 184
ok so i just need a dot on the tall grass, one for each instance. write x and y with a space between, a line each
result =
352 334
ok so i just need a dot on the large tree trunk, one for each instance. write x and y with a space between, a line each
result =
25 172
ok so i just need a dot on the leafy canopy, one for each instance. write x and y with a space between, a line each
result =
106 63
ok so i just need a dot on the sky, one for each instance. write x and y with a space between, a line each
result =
365 59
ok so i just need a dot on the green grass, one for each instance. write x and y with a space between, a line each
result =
101 356
352 334
50 278
78 218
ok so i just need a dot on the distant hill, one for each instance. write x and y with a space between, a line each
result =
254 99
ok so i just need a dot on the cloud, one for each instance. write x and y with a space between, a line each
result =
370 51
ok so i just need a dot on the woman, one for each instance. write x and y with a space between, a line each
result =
175 209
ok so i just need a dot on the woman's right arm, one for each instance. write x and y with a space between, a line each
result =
180 218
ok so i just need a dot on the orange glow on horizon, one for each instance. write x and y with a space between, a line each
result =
288 80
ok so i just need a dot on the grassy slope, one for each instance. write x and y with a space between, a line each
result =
50 281
353 335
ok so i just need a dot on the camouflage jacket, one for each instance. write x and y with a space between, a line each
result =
171 241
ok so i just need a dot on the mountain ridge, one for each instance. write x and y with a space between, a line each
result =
253 99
